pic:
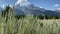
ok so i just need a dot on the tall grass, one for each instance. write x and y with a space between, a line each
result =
28 25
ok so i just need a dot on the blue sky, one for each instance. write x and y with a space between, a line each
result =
47 4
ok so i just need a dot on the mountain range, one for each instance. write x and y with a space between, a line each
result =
31 9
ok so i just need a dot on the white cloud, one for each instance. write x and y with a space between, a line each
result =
10 5
22 2
58 8
3 6
56 5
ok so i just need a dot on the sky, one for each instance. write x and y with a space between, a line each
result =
47 4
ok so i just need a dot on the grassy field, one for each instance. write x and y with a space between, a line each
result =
29 25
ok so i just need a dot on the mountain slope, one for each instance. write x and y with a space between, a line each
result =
0 8
28 10
31 9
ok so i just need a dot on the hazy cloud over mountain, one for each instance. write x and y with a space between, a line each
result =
22 2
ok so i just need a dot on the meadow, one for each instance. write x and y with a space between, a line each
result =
28 25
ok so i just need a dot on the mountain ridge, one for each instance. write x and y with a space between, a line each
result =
31 9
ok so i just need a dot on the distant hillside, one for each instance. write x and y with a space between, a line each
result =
31 9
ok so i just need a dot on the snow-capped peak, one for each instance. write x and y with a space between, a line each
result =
22 3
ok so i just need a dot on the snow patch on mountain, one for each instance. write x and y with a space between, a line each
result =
22 2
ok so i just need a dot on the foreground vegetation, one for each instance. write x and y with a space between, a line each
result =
9 24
